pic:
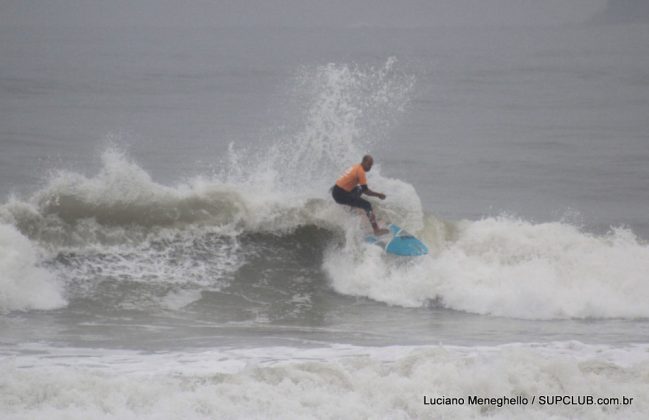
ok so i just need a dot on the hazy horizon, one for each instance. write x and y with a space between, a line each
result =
300 13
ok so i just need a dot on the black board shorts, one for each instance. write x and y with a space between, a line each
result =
350 198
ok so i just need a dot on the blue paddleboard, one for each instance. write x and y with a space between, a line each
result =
399 242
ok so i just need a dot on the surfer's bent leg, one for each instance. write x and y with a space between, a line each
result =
353 198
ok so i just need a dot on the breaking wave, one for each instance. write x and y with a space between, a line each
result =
121 226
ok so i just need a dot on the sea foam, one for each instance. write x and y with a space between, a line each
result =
324 383
507 267
23 283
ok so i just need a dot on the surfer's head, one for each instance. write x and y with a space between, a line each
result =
367 162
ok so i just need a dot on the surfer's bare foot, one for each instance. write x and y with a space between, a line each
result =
379 232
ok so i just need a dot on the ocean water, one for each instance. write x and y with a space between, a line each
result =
169 248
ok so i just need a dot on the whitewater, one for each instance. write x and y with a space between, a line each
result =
234 287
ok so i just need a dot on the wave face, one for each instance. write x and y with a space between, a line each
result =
120 240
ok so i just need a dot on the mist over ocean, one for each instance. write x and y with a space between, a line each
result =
169 248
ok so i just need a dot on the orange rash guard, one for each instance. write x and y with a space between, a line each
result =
352 177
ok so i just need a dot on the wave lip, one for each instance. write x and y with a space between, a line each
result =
23 284
123 193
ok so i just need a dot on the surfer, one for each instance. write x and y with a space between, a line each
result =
352 184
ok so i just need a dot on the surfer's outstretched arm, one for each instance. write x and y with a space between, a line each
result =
367 191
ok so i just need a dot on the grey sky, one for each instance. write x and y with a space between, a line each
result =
401 13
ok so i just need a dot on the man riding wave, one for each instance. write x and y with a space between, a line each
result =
352 184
